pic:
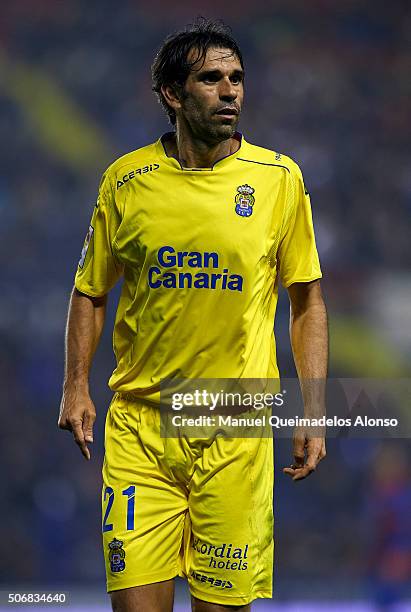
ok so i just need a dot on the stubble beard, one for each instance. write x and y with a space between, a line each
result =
214 132
209 128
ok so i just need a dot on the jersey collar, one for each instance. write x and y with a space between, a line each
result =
172 161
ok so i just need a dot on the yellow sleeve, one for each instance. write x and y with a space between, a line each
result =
99 269
297 252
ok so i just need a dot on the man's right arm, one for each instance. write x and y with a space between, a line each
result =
85 323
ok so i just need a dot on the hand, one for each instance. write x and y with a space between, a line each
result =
315 448
77 414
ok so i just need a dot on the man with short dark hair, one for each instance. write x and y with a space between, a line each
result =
200 225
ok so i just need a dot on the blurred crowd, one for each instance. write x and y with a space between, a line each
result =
327 83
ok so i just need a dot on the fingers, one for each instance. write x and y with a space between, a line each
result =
302 468
299 449
78 417
315 451
62 423
79 438
88 423
299 457
298 473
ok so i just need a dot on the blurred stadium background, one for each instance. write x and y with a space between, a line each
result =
328 82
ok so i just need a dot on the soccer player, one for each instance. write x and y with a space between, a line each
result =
201 225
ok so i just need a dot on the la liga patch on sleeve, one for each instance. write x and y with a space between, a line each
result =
86 245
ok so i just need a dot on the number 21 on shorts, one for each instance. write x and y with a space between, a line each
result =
130 494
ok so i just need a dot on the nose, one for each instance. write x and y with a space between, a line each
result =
228 91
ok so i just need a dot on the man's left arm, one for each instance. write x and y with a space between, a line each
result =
309 341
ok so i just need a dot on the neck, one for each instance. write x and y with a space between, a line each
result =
192 152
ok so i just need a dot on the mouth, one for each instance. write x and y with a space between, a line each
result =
228 112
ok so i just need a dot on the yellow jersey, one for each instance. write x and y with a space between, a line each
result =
201 251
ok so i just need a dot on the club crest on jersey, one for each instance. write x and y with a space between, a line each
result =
244 201
116 556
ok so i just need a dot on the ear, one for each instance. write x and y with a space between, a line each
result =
171 97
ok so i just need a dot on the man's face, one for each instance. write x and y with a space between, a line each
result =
213 95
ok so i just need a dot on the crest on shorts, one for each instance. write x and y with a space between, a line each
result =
244 201
116 555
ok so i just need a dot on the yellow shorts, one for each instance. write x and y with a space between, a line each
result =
199 508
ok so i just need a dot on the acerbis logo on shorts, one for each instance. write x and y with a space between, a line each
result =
215 582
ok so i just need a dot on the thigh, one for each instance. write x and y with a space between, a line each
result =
230 505
205 606
158 597
144 509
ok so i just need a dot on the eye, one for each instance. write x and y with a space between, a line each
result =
237 79
210 79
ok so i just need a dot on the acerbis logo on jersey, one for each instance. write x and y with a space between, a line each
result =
85 246
116 556
134 173
244 201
